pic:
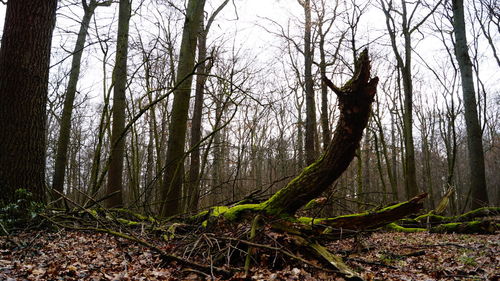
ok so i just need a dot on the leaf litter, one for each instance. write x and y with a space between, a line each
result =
81 255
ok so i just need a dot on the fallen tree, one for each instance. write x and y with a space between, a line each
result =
480 221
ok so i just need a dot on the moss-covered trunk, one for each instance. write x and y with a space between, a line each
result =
355 99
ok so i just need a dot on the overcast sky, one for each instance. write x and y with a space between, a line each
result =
248 31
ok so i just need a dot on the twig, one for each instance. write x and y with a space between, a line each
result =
283 251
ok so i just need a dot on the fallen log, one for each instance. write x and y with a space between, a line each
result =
370 219
471 227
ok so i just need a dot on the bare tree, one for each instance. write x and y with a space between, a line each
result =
474 133
404 63
65 123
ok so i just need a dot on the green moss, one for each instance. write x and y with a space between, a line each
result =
93 213
471 227
432 218
235 212
481 212
311 204
127 222
170 232
399 228
347 216
388 208
309 220
218 210
468 260
133 214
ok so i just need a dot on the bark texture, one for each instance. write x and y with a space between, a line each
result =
310 140
115 174
24 70
479 193
355 99
171 192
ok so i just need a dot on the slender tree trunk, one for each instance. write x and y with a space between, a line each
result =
64 132
479 194
325 124
24 75
404 65
310 140
193 189
172 183
194 168
115 173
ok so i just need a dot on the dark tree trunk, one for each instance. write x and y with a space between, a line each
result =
355 99
115 174
203 70
24 74
171 191
310 140
474 135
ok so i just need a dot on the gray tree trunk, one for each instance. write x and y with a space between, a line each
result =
194 169
479 194
310 139
404 65
115 173
172 184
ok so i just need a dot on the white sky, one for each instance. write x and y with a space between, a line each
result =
250 34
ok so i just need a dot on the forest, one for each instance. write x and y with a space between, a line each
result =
249 139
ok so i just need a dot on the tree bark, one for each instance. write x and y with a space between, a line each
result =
194 169
24 75
355 99
115 173
65 125
310 140
172 184
474 135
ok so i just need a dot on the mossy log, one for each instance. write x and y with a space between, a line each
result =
471 227
431 218
376 218
468 223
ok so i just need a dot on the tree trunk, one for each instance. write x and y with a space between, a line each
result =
172 184
65 125
404 65
115 173
325 124
355 99
194 169
310 140
474 135
24 75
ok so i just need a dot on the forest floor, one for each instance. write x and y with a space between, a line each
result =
77 255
